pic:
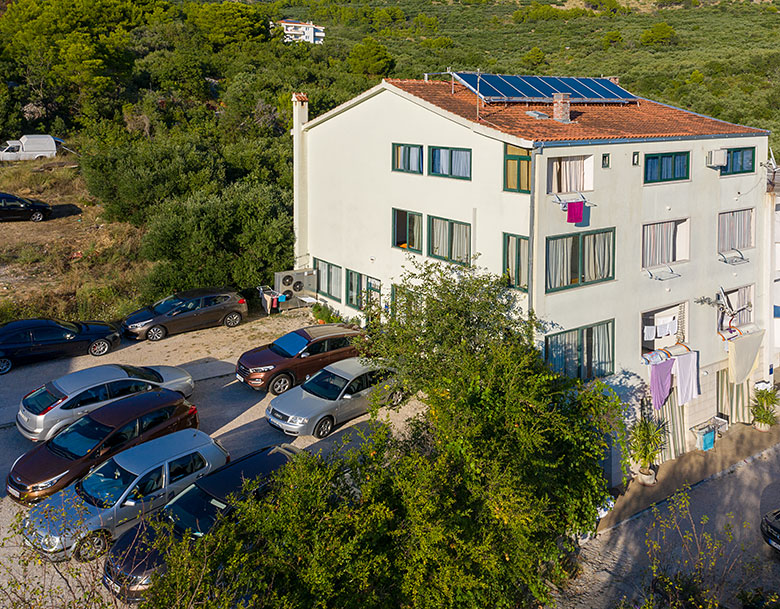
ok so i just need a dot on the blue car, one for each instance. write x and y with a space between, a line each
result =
34 340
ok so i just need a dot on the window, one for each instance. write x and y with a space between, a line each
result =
665 242
407 158
666 167
328 279
605 161
317 348
585 353
185 466
516 260
735 230
403 302
580 259
664 327
362 289
212 301
739 160
90 396
450 162
340 342
407 230
740 301
147 485
21 338
158 417
517 169
50 334
358 385
449 240
126 434
120 389
569 174
635 159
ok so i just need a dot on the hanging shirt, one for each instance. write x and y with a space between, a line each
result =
661 382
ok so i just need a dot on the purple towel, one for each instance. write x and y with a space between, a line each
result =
660 382
574 212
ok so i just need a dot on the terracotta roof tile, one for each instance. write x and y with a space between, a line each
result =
643 119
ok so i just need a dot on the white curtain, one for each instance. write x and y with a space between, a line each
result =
440 161
415 231
334 286
461 163
659 244
415 158
353 289
566 174
563 353
510 263
735 230
559 267
597 256
461 242
601 355
440 237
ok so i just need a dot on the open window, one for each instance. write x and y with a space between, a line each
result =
740 302
664 327
569 174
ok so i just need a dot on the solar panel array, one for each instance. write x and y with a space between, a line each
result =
506 88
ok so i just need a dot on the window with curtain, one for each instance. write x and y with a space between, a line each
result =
407 230
566 174
449 240
665 242
739 298
667 167
517 169
328 279
407 158
580 259
353 289
361 290
735 230
585 353
449 162
403 302
739 160
516 260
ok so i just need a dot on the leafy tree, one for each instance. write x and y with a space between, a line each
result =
370 57
612 39
660 34
534 58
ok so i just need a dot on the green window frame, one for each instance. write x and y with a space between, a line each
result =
403 301
515 261
517 169
453 230
405 224
328 275
667 167
405 160
575 352
591 259
361 289
442 162
739 160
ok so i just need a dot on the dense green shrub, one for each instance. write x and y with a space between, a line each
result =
661 34
370 57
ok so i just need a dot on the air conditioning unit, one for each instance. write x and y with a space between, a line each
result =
717 158
301 282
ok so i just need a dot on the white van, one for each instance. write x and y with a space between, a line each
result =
29 147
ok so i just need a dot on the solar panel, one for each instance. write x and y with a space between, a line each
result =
508 88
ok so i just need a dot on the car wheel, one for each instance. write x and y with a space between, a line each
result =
232 319
99 347
36 216
323 428
280 383
90 547
5 365
156 333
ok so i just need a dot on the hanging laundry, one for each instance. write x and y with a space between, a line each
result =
649 332
686 374
663 326
660 382
673 326
743 356
574 211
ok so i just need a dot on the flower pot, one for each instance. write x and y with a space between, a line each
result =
761 426
646 477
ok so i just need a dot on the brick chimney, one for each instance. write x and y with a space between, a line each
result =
615 80
561 107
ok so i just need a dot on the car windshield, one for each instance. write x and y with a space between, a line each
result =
104 486
143 373
194 510
69 326
325 384
166 305
79 438
289 345
42 398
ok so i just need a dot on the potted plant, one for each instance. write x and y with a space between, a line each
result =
647 438
762 407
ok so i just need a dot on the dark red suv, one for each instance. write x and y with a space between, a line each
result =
291 358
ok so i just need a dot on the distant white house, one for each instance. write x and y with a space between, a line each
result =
638 231
300 31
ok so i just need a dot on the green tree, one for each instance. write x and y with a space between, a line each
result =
661 34
370 57
612 39
534 58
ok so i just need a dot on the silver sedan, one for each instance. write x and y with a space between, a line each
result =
43 413
335 394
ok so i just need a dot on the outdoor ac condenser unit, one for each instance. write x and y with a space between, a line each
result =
717 158
301 282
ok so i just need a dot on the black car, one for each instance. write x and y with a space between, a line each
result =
133 559
185 311
18 208
770 529
33 340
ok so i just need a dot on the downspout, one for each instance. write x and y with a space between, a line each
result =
532 300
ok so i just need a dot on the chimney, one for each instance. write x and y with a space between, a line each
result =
615 80
300 104
561 107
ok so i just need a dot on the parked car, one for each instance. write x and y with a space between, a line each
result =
18 208
33 340
96 437
291 358
29 147
770 529
45 412
186 311
81 520
335 394
132 559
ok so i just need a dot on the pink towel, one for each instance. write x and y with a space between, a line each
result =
574 212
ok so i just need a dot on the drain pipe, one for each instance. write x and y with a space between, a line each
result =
535 153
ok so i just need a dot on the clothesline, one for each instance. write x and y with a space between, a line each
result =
660 355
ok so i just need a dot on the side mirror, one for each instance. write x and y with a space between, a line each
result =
305 354
129 503
69 336
347 396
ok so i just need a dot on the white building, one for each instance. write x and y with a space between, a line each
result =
300 31
612 214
